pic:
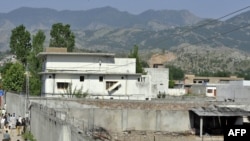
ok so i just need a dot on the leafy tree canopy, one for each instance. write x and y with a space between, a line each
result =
175 73
244 74
61 36
134 54
14 78
20 44
38 41
214 74
35 64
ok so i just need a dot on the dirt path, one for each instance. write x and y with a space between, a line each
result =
13 135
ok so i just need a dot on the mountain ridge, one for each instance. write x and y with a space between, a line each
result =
110 30
82 18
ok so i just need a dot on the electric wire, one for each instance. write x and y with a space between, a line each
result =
221 34
210 22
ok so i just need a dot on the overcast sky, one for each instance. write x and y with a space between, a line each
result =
201 8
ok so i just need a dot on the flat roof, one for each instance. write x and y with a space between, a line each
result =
220 78
89 73
214 110
74 54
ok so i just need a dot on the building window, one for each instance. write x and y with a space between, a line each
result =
139 79
62 85
81 78
100 78
209 90
110 84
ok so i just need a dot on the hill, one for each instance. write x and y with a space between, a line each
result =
92 20
198 44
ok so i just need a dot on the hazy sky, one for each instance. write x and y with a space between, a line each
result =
201 8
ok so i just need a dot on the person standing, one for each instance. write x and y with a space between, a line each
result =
23 126
18 127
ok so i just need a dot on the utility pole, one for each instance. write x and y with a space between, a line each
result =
27 90
207 62
27 81
196 62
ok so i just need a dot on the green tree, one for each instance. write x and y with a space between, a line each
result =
144 64
13 79
61 36
5 68
222 74
244 74
38 41
35 64
171 84
134 54
175 73
20 43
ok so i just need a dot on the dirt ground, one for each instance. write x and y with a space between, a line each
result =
143 136
13 135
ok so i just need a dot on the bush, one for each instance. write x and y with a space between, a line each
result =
28 136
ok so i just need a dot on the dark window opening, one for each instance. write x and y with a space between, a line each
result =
110 84
100 78
139 79
209 90
62 85
81 78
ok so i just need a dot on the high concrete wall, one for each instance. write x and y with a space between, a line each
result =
61 119
198 89
48 125
16 103
133 119
233 92
176 92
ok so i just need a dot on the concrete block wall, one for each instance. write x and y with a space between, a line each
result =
45 126
46 123
54 119
233 92
118 120
16 104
